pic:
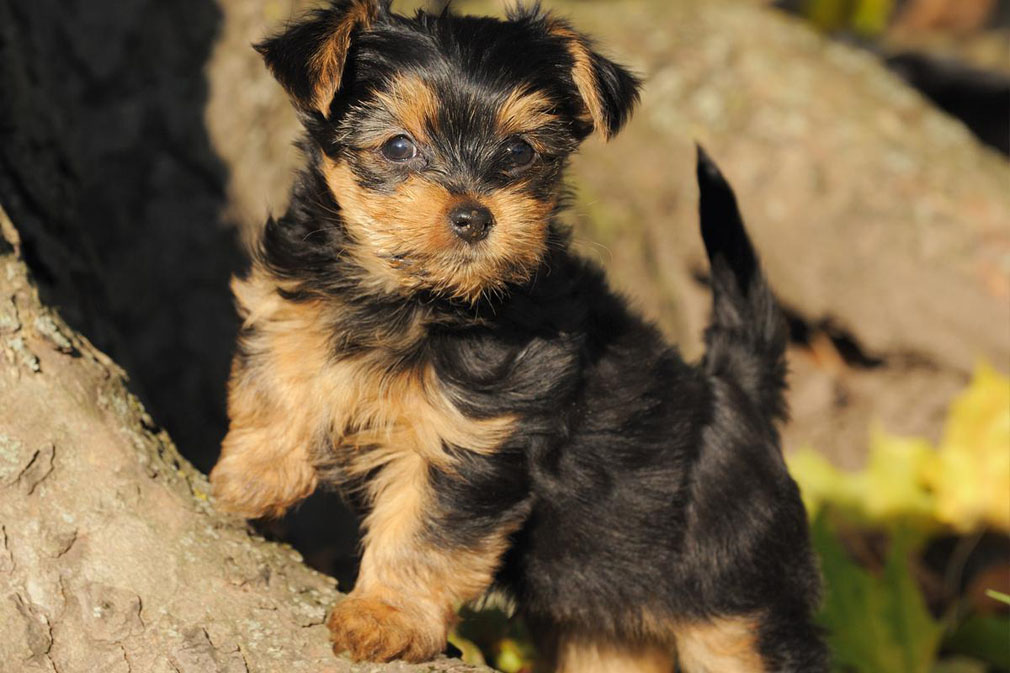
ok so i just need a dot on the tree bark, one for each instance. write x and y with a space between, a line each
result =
111 558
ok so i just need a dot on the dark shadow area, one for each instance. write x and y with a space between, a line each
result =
108 171
325 532
978 97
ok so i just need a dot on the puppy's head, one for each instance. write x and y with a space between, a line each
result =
444 137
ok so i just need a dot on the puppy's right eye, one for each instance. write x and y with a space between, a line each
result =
399 148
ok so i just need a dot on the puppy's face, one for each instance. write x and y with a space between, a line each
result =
444 138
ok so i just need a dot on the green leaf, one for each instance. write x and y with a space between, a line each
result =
986 638
513 657
876 623
469 652
914 627
827 15
998 596
872 16
959 665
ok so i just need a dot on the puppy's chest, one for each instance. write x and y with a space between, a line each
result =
376 412
366 406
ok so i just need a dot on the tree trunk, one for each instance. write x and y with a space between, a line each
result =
111 558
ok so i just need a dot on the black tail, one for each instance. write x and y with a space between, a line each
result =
746 340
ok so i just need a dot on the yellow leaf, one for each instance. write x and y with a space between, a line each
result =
970 471
884 491
963 484
820 482
890 489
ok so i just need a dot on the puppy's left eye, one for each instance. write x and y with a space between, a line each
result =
399 148
519 153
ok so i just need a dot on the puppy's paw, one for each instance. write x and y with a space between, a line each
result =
371 630
256 490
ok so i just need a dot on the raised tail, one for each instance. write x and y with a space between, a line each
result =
746 340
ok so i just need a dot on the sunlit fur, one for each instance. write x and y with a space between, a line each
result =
493 410
397 214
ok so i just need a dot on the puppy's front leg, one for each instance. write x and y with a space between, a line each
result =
265 464
412 579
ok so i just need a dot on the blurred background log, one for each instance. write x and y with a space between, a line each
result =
882 221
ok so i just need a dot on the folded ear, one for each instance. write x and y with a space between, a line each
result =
609 91
308 57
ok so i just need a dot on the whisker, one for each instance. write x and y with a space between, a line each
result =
318 231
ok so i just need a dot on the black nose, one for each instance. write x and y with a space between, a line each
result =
471 222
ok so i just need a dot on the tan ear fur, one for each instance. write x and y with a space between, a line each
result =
608 91
328 63
308 58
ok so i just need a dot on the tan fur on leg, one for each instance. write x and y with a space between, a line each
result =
722 646
262 472
408 587
576 656
266 457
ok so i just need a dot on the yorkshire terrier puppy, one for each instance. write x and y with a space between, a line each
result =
417 332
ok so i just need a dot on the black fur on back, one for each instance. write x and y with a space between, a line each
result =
746 341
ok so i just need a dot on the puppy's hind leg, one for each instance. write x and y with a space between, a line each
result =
575 655
750 645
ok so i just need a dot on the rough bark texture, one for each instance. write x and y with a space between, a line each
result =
111 558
